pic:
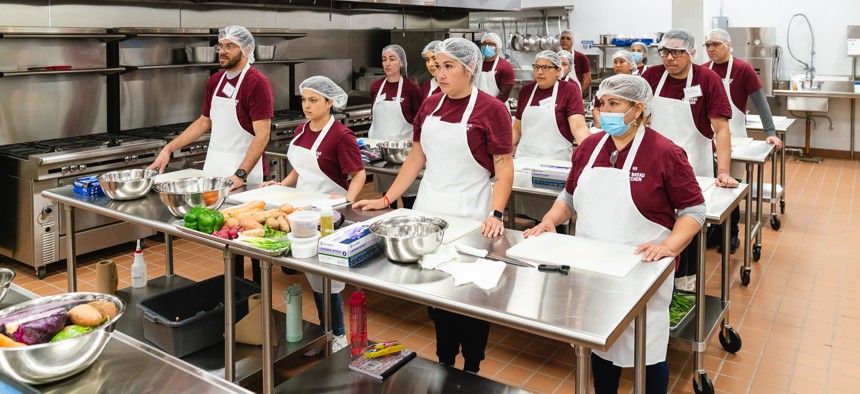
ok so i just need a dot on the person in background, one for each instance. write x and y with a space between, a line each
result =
691 109
430 86
640 55
658 210
550 116
463 136
238 108
741 83
581 68
496 76
325 159
397 100
567 66
622 63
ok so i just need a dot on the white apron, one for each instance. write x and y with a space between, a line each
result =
738 123
674 120
571 77
485 81
641 70
606 212
229 142
433 86
389 124
454 183
540 139
311 178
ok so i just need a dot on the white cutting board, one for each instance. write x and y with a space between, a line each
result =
279 195
457 227
181 174
579 253
529 164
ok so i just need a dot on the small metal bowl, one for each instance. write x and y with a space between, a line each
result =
407 238
264 52
49 362
395 152
127 184
6 276
183 194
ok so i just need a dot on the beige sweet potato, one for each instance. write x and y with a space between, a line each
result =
286 208
85 315
249 224
273 223
106 308
231 222
285 224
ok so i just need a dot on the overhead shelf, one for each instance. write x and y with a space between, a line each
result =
286 62
164 32
103 71
166 66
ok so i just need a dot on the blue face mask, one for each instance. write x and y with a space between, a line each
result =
488 51
637 57
613 123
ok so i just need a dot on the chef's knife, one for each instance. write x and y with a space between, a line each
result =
491 256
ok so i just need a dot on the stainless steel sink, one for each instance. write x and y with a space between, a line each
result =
815 96
808 104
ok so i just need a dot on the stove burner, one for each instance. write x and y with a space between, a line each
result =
288 114
111 142
26 149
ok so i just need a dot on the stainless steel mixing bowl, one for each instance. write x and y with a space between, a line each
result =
264 52
127 184
183 194
49 362
6 276
395 152
407 238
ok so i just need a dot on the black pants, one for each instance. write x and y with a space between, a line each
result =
607 375
454 331
408 202
689 259
239 268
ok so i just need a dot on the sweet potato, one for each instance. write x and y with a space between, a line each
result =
249 224
9 342
106 308
286 208
285 224
273 223
231 222
256 205
85 315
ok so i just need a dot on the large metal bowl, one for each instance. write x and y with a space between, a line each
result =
49 362
127 184
200 54
407 238
395 152
264 52
6 276
183 194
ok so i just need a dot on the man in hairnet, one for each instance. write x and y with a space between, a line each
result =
580 61
691 109
741 83
496 76
238 109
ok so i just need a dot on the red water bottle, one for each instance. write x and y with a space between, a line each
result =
357 322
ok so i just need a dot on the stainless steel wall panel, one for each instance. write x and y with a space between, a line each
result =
219 16
92 13
301 20
161 96
338 70
279 76
154 51
26 13
22 53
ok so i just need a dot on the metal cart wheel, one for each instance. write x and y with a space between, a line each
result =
707 384
41 272
775 222
733 343
756 252
745 276
782 206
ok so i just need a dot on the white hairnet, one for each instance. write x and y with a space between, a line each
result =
628 87
551 56
720 35
494 38
682 39
463 51
241 37
627 56
567 55
398 51
429 47
567 32
639 44
327 88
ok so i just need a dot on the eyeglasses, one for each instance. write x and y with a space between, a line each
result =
714 44
488 44
543 67
227 47
674 52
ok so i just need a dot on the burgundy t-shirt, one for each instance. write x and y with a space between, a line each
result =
712 104
568 102
410 96
489 130
742 83
425 88
337 155
664 180
580 65
504 73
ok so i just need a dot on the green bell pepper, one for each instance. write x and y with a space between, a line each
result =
206 222
71 332
191 219
219 219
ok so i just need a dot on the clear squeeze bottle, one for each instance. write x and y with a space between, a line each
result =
138 268
326 221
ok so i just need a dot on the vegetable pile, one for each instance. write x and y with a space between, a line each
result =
28 328
203 219
681 305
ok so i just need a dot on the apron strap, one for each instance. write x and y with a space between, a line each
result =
399 89
495 63
323 133
666 74
473 97
554 93
236 90
628 163
728 69
597 150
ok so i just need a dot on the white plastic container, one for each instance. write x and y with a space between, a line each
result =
304 223
856 87
138 268
303 247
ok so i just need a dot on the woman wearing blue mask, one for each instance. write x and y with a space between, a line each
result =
633 186
622 63
640 55
496 75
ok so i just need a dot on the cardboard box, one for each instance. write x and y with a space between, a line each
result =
87 186
349 246
550 175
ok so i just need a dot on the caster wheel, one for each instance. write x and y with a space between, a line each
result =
775 223
756 252
745 276
707 385
782 206
41 273
733 343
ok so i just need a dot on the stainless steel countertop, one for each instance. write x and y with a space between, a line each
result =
756 152
816 93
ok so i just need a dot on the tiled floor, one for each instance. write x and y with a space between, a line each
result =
799 318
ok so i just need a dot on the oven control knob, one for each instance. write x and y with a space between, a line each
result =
133 157
205 148
194 149
48 209
126 159
64 170
73 168
82 167
274 162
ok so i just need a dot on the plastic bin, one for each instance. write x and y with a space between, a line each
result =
191 318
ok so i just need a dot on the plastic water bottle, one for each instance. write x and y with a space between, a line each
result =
326 222
357 322
293 298
138 268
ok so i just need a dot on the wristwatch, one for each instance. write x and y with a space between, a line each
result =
242 174
498 215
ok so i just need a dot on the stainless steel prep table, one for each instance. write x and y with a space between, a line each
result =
781 124
755 155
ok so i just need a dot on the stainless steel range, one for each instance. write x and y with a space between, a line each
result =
37 236
192 155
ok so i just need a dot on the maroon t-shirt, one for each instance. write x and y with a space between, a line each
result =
580 65
712 104
664 180
742 83
410 96
568 102
337 155
504 75
489 129
425 88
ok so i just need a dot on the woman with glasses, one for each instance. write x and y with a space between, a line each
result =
430 86
640 56
622 63
496 75
633 186
566 66
549 116
463 136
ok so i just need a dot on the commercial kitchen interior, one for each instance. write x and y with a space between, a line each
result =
800 315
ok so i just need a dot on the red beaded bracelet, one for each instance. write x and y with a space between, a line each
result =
387 201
